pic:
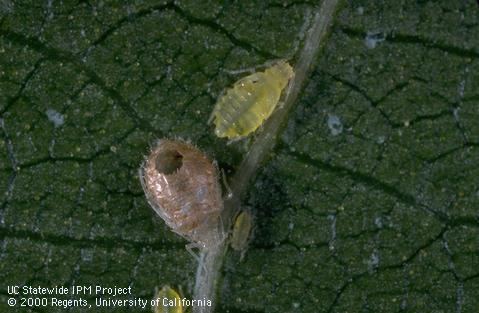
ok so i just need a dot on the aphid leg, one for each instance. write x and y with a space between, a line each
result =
222 235
189 247
243 252
212 116
234 140
199 258
280 105
252 69
229 195
271 63
287 90
241 71
286 93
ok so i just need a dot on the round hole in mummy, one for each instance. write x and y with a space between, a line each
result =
168 162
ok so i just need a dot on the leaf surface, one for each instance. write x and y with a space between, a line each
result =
367 204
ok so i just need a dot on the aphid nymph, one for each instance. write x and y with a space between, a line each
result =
251 100
168 301
242 232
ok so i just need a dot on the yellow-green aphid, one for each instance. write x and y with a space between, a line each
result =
241 232
169 301
251 100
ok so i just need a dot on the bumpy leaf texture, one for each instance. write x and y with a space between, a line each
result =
369 202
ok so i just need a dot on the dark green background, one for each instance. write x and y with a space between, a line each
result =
382 217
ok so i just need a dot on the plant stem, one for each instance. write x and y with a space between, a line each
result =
207 276
211 259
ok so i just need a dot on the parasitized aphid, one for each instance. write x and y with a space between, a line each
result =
251 100
168 301
241 232
181 185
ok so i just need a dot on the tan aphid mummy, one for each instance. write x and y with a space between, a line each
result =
251 100
181 185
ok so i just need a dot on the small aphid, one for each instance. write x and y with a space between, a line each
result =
181 185
251 100
171 298
241 232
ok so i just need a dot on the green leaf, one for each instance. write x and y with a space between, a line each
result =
368 202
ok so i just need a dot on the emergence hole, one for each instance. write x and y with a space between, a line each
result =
168 162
